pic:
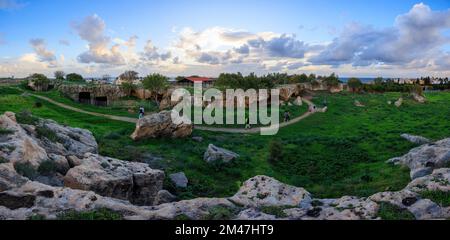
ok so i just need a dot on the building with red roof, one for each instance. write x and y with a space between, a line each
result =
189 81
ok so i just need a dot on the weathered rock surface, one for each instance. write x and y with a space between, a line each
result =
110 177
18 146
358 104
298 101
415 139
160 125
179 179
266 191
424 159
418 98
214 154
399 102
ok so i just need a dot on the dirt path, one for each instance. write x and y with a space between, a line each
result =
202 128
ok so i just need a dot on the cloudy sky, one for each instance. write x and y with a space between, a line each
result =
363 38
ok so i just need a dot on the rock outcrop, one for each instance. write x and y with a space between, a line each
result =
109 177
418 98
179 179
160 125
399 102
214 154
424 159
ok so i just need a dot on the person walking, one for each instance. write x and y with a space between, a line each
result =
286 116
141 112
247 123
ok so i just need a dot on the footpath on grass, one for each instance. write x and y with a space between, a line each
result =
202 128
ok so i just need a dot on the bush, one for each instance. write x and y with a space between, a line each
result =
439 197
3 160
47 168
37 104
74 77
274 210
26 170
100 214
4 131
220 213
45 132
275 151
388 211
25 117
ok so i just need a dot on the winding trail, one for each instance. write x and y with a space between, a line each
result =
202 128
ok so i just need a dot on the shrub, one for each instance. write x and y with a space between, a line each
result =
3 160
182 217
37 104
25 117
45 132
100 214
275 151
74 77
26 170
47 168
4 131
220 213
37 217
389 211
439 197
274 210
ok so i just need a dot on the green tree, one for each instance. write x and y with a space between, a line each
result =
59 75
128 88
332 80
354 84
155 83
40 81
74 77
129 76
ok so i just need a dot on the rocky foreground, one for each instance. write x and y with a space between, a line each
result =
47 169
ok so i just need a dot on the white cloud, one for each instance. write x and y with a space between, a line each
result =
42 53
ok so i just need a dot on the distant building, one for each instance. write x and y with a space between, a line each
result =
189 81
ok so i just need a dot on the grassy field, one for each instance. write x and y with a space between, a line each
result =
341 152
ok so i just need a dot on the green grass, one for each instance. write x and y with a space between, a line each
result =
5 131
439 197
341 152
220 213
275 211
100 214
388 211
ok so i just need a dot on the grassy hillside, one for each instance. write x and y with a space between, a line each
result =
341 152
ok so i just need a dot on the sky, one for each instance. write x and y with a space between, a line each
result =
362 38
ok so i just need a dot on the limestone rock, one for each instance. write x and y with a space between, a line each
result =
418 98
358 104
422 160
266 191
160 125
179 179
164 196
415 139
214 154
298 101
399 102
110 177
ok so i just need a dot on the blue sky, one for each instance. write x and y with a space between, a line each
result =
312 23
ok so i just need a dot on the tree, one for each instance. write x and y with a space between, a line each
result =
180 78
128 88
59 75
155 83
74 77
331 81
355 84
39 81
378 81
129 76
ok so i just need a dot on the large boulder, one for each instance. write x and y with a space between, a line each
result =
214 154
424 159
179 179
160 125
418 98
110 177
68 141
266 191
298 101
17 146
